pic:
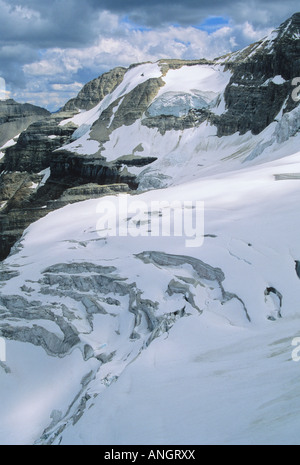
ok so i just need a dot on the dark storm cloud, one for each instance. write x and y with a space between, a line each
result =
74 22
157 12
43 24
12 58
28 27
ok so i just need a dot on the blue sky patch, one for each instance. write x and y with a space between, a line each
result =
213 23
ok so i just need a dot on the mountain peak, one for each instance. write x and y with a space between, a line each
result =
279 51
296 17
293 20
289 28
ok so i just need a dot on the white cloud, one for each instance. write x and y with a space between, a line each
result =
26 13
4 94
134 46
42 68
74 87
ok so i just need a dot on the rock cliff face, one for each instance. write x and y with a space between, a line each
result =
23 198
93 92
33 150
126 125
261 83
16 117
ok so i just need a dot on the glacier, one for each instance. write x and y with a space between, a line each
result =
194 348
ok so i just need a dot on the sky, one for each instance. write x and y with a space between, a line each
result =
50 48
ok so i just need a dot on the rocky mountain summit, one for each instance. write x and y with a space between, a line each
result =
256 92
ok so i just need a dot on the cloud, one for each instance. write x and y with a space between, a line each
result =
192 12
74 87
3 92
45 44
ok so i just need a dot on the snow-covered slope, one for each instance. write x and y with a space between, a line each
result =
184 339
166 315
182 90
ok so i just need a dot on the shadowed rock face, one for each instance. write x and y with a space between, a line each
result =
23 200
33 150
252 98
17 191
16 117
